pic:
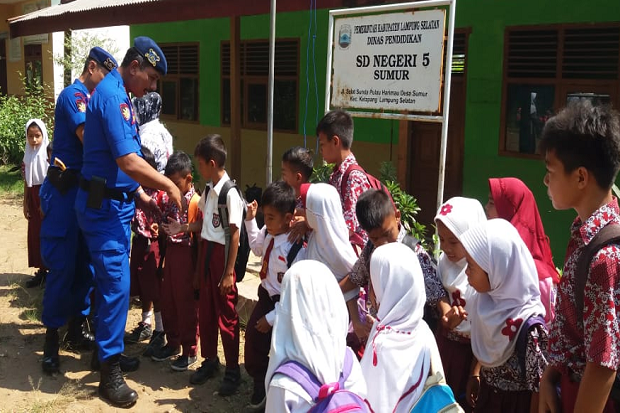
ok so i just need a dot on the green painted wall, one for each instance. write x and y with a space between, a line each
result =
486 18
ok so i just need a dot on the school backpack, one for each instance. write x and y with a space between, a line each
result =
329 397
355 238
437 396
243 253
609 234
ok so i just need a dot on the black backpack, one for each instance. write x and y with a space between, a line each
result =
609 234
243 253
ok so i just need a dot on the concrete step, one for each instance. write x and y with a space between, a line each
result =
248 289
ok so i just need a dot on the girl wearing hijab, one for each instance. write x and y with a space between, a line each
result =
453 218
153 134
34 167
513 201
310 328
397 359
509 362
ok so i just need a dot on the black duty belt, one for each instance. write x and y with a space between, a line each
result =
63 181
111 193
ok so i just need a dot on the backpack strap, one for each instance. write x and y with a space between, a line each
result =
521 345
222 208
347 172
292 253
411 242
308 381
609 234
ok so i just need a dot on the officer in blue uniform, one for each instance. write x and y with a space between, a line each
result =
112 172
66 296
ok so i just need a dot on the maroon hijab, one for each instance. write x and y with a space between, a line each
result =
515 202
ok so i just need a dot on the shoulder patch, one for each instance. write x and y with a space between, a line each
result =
81 105
125 111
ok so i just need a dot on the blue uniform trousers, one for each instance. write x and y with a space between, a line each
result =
63 249
107 232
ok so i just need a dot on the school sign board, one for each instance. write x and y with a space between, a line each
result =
390 61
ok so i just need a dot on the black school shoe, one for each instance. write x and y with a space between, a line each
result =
259 397
157 341
165 353
142 332
230 383
205 371
38 279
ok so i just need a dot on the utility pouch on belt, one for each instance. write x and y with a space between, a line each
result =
63 181
96 192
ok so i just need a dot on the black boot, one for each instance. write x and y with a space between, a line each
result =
38 279
79 337
51 361
112 386
127 364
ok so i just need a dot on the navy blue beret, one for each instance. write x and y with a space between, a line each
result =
102 57
152 53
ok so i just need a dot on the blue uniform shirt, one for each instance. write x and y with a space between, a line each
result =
109 133
69 114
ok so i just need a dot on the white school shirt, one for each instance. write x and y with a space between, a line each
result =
212 229
259 242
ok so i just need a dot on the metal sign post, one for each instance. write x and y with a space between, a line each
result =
387 62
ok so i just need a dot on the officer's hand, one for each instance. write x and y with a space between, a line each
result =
175 196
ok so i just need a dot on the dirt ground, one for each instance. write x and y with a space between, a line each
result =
25 388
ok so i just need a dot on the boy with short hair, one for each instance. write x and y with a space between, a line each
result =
215 271
177 293
270 242
581 145
297 164
381 221
335 133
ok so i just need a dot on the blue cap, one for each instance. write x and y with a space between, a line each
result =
152 53
102 57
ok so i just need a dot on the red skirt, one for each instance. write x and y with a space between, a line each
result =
34 228
143 269
456 358
492 399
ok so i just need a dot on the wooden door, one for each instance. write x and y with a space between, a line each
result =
3 79
425 144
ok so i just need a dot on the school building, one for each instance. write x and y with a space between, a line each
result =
515 64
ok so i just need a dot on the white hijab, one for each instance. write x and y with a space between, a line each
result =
498 249
35 160
329 240
400 342
311 322
458 214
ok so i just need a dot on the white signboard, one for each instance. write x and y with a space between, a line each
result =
389 62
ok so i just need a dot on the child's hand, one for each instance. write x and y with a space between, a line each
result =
472 390
252 208
154 230
262 325
362 328
172 227
299 227
227 283
26 211
548 400
453 317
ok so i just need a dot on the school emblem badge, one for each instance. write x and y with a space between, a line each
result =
152 57
216 220
81 105
344 36
125 111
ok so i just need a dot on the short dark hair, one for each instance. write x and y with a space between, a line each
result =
337 123
300 160
134 54
372 208
280 196
212 147
148 156
583 135
179 162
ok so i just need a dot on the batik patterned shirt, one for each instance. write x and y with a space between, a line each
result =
357 183
144 219
594 336
171 210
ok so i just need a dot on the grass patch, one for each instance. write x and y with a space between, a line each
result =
29 300
70 392
11 182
